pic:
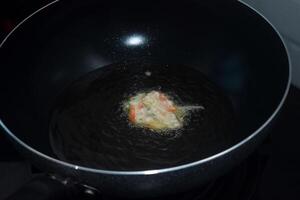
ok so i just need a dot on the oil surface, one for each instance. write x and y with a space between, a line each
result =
88 125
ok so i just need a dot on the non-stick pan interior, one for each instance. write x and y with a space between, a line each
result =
227 44
90 124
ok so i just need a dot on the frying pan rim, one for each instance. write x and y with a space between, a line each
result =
152 171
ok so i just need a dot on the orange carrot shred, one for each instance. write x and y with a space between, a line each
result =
132 113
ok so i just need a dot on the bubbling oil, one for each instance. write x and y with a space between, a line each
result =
89 127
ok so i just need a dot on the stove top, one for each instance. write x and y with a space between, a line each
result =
271 173
242 182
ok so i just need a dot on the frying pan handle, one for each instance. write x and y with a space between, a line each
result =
45 187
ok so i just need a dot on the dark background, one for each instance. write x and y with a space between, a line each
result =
280 178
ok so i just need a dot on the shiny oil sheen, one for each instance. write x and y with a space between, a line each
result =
89 126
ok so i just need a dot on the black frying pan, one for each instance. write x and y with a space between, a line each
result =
67 68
